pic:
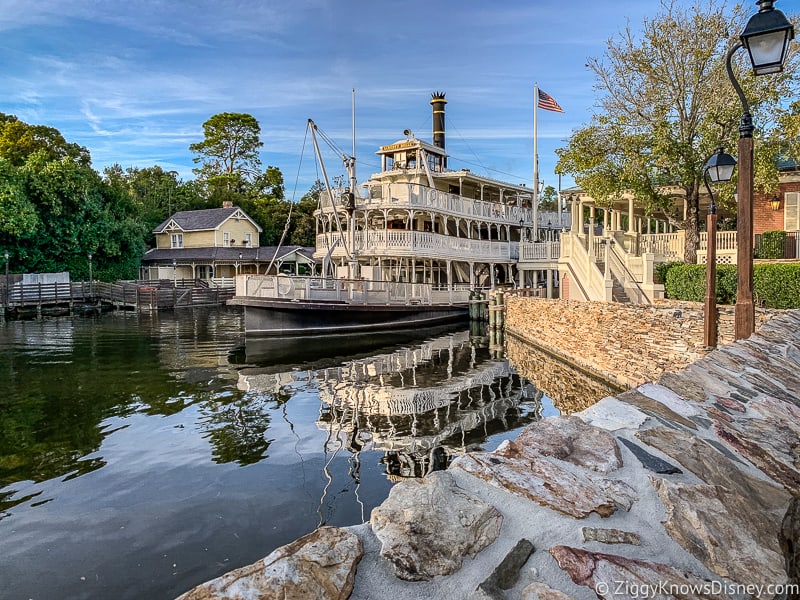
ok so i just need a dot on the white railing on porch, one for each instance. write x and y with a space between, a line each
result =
419 244
539 251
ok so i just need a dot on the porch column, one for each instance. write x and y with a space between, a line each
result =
630 216
549 283
605 221
491 275
591 231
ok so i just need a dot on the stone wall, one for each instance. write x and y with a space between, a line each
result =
624 343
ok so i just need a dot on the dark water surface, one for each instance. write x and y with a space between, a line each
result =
141 455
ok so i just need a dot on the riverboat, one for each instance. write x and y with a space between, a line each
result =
408 247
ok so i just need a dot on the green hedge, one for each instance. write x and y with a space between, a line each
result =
774 285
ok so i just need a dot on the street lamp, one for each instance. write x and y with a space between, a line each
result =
719 167
174 273
8 292
766 37
775 203
91 290
239 264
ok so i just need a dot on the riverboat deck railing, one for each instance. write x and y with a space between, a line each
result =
349 291
401 243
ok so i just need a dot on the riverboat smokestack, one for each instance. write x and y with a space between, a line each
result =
438 102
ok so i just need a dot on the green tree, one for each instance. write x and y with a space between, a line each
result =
228 154
665 104
548 200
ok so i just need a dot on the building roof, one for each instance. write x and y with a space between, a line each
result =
263 254
203 220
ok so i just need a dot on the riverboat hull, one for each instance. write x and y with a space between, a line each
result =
283 317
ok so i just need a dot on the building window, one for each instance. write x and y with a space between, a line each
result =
226 238
177 240
248 240
791 211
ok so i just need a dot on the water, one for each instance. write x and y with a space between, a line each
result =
142 455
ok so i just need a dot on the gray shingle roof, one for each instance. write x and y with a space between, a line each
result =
261 254
200 220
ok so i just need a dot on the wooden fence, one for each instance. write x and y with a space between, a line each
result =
136 295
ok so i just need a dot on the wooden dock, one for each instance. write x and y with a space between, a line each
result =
142 296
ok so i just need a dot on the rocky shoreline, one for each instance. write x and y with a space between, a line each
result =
683 488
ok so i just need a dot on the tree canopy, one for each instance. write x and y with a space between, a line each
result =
665 103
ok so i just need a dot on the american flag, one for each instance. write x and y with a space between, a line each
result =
547 103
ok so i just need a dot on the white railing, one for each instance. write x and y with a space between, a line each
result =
351 291
416 195
726 240
539 251
666 246
589 280
419 244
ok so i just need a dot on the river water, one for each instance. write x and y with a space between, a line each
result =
141 455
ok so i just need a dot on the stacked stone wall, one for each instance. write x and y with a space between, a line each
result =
624 343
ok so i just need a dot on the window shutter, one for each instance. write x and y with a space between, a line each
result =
791 211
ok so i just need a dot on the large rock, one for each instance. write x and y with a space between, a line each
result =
525 472
612 576
790 546
542 591
713 467
569 438
427 526
770 442
731 535
318 566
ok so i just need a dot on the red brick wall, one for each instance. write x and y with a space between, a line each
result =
766 219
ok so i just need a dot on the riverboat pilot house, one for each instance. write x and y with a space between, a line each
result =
217 244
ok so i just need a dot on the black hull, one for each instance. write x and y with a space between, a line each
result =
270 317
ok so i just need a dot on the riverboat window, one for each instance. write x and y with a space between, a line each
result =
791 213
226 238
177 240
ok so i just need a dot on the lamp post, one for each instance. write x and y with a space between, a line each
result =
8 291
174 273
766 38
719 167
239 264
91 291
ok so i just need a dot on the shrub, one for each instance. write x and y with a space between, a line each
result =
771 244
662 269
777 285
774 285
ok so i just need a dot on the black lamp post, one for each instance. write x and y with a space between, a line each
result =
174 273
8 291
766 37
91 291
719 167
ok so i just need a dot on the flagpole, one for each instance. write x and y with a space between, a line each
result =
535 166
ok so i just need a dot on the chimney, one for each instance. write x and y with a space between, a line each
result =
227 204
438 102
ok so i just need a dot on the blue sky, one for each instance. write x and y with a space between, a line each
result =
133 81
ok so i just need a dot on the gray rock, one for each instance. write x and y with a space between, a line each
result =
571 439
541 591
506 574
714 468
610 536
650 461
427 526
790 545
612 414
612 576
731 535
527 473
318 566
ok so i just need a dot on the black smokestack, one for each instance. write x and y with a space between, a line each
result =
438 102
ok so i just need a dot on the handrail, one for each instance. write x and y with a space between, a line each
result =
627 276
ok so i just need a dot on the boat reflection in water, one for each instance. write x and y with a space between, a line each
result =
419 404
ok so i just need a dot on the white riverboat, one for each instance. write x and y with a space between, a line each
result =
404 249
